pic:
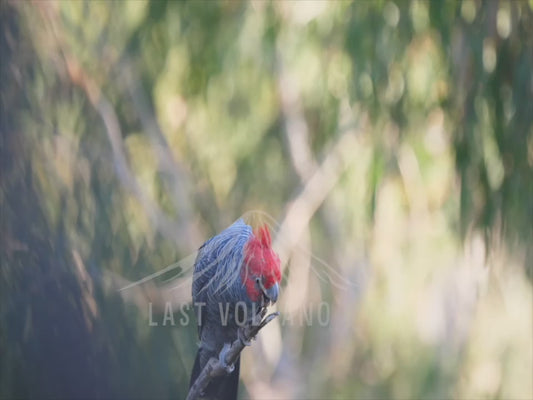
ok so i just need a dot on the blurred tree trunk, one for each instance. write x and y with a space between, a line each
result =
53 346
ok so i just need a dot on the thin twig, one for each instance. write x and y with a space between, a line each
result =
215 367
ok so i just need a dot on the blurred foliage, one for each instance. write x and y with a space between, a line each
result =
129 140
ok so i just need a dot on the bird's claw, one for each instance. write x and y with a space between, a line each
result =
242 338
222 359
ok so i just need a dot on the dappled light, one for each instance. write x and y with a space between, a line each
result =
387 145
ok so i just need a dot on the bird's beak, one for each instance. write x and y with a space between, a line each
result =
272 293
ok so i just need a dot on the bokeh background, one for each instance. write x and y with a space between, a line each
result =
388 143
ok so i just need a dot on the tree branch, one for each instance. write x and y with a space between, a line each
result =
176 175
218 367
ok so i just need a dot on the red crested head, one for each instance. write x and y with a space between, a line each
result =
261 272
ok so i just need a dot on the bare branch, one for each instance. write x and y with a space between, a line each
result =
215 367
176 175
316 180
296 129
302 208
105 110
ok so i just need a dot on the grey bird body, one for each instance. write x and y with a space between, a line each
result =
235 274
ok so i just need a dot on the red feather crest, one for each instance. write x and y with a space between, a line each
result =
260 261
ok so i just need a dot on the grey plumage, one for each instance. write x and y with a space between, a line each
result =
217 287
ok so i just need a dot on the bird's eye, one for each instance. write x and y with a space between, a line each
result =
258 280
